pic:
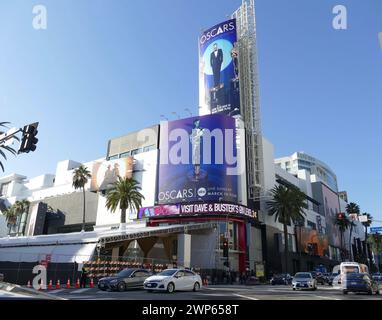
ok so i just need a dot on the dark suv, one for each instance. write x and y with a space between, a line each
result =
127 278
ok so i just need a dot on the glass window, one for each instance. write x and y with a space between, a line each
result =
149 148
135 151
125 154
113 157
4 189
188 273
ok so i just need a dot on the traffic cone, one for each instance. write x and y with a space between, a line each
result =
29 284
78 284
50 286
91 283
68 284
58 285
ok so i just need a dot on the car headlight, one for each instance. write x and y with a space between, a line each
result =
113 281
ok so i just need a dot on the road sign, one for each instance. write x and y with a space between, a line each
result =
375 229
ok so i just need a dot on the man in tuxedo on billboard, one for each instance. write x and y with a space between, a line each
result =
216 60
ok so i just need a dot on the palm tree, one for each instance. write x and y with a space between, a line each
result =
375 240
287 206
343 223
124 194
367 224
10 216
352 208
81 175
20 208
5 148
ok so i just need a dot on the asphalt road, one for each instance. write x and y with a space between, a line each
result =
259 292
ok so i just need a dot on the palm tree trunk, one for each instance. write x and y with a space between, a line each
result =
286 247
342 244
350 242
83 213
366 253
123 216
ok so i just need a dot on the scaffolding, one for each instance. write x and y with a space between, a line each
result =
249 96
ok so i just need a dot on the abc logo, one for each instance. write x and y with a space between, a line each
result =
202 192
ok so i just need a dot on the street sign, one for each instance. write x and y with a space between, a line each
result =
375 229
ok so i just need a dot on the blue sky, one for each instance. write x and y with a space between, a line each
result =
104 68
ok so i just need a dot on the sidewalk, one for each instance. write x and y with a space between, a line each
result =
28 292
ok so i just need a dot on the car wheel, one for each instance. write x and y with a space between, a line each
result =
170 287
344 292
294 289
121 287
196 286
377 292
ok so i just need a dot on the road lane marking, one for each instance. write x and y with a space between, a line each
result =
56 291
327 298
81 290
246 297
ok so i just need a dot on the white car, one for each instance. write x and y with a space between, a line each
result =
304 280
173 279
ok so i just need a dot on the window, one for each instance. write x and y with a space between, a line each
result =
113 157
4 189
149 148
135 151
125 154
188 273
141 274
312 225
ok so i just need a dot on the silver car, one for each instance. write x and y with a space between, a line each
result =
304 280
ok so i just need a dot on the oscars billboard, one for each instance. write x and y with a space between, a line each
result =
197 158
219 70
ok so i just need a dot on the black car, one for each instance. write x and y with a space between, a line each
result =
377 276
127 278
281 279
360 282
318 276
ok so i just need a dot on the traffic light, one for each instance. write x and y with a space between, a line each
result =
340 216
29 140
225 248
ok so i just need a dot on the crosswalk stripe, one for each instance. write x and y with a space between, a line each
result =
56 291
242 296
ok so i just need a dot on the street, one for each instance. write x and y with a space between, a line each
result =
259 292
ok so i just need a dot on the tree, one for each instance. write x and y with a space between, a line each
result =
81 175
20 208
342 222
352 208
287 206
3 148
10 216
124 194
367 224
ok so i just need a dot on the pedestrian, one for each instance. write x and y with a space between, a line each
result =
84 276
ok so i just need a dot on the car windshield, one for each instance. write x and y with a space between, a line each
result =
303 275
125 273
168 272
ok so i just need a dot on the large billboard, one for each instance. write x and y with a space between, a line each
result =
312 242
219 90
331 207
106 173
197 160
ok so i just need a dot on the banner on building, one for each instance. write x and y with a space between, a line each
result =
219 90
106 173
197 209
197 159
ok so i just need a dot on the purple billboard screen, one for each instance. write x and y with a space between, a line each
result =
219 69
196 156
